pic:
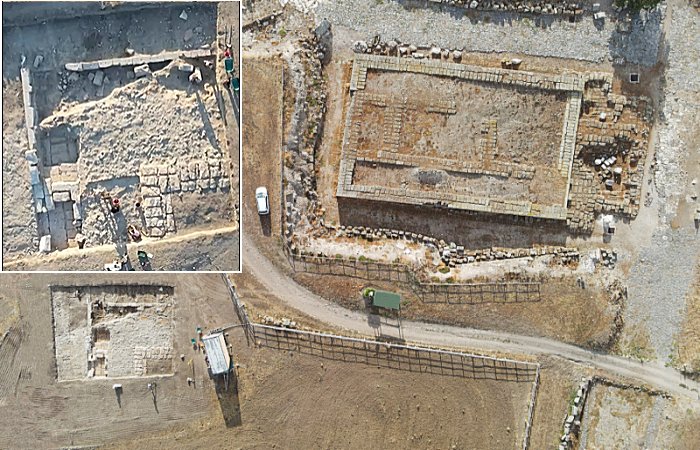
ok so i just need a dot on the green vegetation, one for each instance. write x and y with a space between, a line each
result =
444 269
282 32
572 397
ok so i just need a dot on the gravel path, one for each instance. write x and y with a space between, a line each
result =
451 27
662 276
287 290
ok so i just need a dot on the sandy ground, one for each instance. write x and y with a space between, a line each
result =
360 403
564 312
87 412
262 144
211 250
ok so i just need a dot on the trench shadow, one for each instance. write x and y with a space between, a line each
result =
228 397
235 99
266 224
472 231
208 128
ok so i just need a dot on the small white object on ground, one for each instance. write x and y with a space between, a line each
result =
45 244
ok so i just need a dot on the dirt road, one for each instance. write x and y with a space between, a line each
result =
179 252
299 298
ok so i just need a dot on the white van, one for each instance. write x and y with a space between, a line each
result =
262 200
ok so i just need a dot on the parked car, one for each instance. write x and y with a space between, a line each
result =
262 200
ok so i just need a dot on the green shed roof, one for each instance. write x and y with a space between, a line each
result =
384 299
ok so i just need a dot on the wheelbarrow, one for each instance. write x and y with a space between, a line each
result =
228 65
144 260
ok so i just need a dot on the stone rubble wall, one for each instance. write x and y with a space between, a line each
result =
299 186
533 80
138 60
551 8
572 422
158 182
451 253
52 202
572 83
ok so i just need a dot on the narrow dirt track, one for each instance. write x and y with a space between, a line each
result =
109 249
281 286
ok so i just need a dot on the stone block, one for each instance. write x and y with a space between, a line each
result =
34 176
31 157
149 180
77 214
98 78
37 192
149 191
142 71
163 183
185 67
62 196
174 183
45 244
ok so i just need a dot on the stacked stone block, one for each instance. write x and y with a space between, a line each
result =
159 182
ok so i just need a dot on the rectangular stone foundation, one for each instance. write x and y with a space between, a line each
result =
112 331
478 176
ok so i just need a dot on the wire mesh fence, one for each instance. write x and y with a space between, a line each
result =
394 356
475 293
356 268
448 293
240 311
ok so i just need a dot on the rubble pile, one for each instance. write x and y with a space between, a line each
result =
572 421
552 8
306 129
283 322
608 258
452 254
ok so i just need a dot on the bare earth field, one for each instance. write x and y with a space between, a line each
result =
564 312
262 147
39 409
355 406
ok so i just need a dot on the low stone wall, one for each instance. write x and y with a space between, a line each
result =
550 8
571 83
138 60
158 182
451 253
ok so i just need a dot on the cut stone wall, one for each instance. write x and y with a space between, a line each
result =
112 331
571 83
